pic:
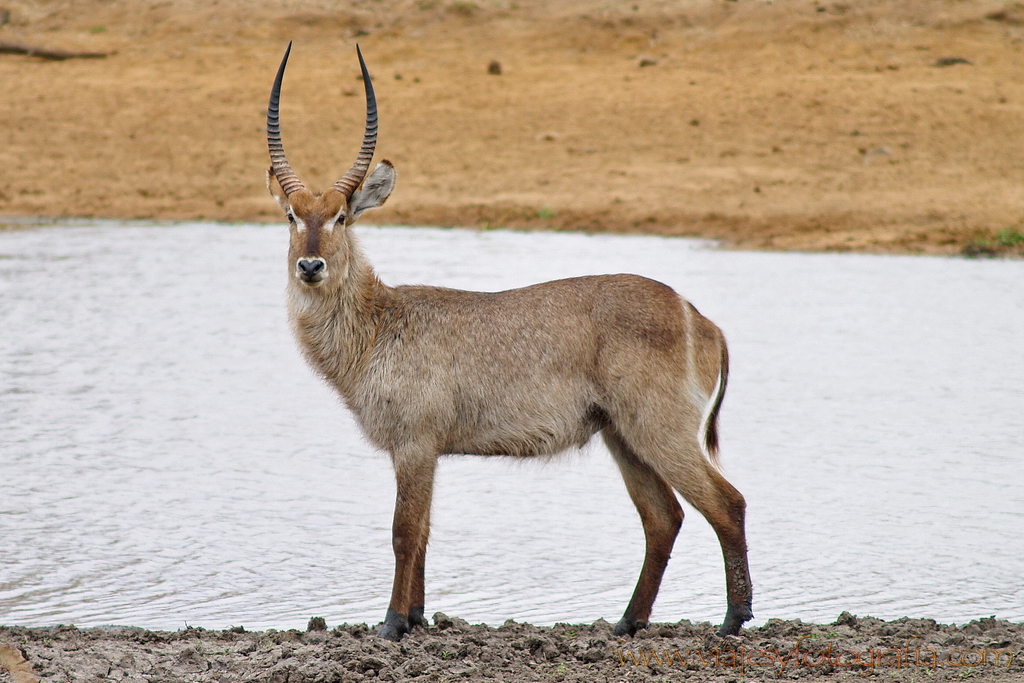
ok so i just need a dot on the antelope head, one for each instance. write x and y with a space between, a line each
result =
318 222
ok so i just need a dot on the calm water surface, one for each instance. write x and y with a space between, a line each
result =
168 458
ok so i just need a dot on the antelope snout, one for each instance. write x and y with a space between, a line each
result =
311 270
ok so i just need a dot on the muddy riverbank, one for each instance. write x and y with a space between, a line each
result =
450 649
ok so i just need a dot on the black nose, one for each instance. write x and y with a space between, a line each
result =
311 266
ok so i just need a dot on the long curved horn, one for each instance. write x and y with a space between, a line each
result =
350 181
278 161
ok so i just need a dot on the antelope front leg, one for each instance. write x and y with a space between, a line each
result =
409 532
416 617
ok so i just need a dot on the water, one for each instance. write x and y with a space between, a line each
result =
167 457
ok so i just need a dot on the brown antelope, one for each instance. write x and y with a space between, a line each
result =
429 371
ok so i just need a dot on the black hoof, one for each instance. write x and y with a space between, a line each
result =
734 618
394 627
416 617
628 627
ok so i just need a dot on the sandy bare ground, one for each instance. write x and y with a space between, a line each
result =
850 649
875 126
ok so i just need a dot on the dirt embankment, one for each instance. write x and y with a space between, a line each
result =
811 124
850 649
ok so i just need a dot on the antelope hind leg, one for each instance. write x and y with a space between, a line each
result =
728 522
725 509
661 516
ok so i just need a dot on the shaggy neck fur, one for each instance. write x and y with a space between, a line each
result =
336 323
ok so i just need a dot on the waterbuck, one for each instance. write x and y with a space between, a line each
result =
430 371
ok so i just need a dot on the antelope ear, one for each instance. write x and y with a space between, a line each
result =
374 192
276 191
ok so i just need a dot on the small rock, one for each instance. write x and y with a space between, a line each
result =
1011 14
950 61
846 619
877 152
494 68
371 664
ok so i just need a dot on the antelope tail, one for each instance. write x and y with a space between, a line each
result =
711 424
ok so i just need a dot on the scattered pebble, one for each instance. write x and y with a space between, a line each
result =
876 153
950 61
